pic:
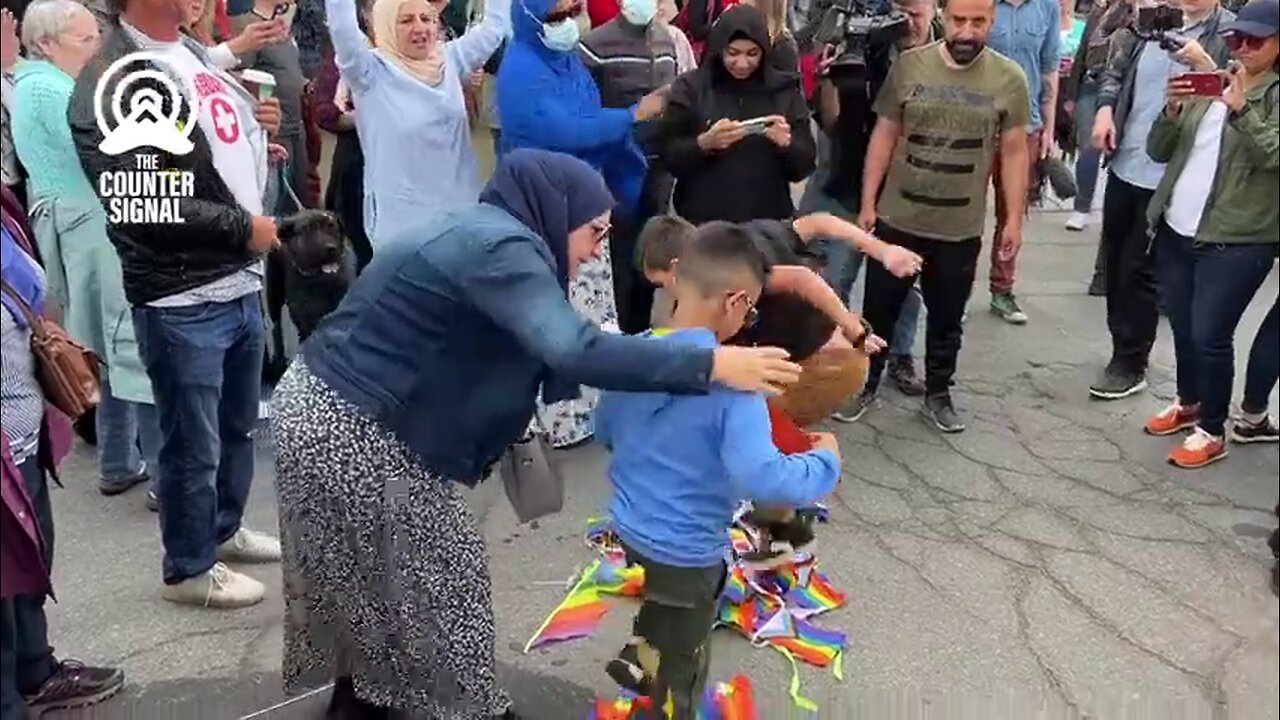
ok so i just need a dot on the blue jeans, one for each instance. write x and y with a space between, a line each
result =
1088 158
205 365
1264 364
1205 289
26 660
128 438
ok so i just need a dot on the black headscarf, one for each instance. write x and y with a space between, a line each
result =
552 193
742 22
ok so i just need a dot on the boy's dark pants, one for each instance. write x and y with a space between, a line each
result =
675 621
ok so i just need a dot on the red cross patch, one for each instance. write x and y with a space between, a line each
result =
225 121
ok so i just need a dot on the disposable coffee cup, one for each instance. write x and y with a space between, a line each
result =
260 83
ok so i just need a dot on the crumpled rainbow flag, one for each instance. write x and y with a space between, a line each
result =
771 608
724 701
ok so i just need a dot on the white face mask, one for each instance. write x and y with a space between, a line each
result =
639 12
562 36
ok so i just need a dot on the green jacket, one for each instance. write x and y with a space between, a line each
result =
1242 206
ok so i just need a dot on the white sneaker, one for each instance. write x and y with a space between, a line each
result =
251 547
220 587
1078 221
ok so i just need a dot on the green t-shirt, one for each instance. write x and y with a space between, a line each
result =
951 122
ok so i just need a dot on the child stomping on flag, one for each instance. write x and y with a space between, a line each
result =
799 313
682 465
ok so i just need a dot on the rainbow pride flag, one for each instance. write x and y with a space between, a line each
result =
576 616
580 612
814 645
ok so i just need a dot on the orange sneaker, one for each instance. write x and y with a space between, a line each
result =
1199 449
1172 419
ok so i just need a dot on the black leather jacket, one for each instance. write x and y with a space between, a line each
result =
161 259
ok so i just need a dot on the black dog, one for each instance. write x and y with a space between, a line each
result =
316 276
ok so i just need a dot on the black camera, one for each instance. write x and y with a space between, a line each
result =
1158 23
852 27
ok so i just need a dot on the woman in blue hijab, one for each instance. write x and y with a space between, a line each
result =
547 99
414 387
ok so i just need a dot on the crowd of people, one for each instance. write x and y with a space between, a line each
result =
638 235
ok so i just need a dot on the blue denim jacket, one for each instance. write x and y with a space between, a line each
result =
445 341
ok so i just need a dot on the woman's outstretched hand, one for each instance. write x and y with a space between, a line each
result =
753 369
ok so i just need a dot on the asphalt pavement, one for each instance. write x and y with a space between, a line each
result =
1045 563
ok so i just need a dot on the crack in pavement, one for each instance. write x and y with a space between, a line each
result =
1054 449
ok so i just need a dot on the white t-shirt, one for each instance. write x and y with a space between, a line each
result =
227 124
1191 191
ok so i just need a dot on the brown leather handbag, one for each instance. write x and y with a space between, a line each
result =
68 371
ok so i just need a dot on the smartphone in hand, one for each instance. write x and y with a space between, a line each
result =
757 126
1204 84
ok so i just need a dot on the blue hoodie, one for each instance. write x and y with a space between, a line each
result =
682 464
547 100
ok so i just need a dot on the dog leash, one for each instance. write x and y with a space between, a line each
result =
288 189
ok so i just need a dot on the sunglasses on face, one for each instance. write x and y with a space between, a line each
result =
1236 42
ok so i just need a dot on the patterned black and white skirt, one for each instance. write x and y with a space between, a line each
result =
385 572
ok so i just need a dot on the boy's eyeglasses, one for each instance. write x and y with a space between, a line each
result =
752 315
1236 42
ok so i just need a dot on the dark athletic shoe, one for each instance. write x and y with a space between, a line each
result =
626 671
1116 383
123 483
905 373
1245 432
852 409
74 685
796 533
939 410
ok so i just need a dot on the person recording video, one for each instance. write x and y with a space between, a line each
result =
846 118
1130 98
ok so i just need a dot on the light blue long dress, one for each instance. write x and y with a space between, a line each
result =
416 138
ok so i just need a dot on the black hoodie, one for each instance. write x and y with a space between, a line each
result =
752 178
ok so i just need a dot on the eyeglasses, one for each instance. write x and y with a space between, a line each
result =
752 314
602 231
1236 42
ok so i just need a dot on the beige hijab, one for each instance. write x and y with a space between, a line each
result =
430 69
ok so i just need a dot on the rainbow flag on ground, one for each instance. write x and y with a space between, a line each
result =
771 608
580 612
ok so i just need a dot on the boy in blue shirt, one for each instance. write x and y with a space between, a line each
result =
681 465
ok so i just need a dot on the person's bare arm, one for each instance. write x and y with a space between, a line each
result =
1014 167
810 287
1014 171
1049 111
898 260
828 106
